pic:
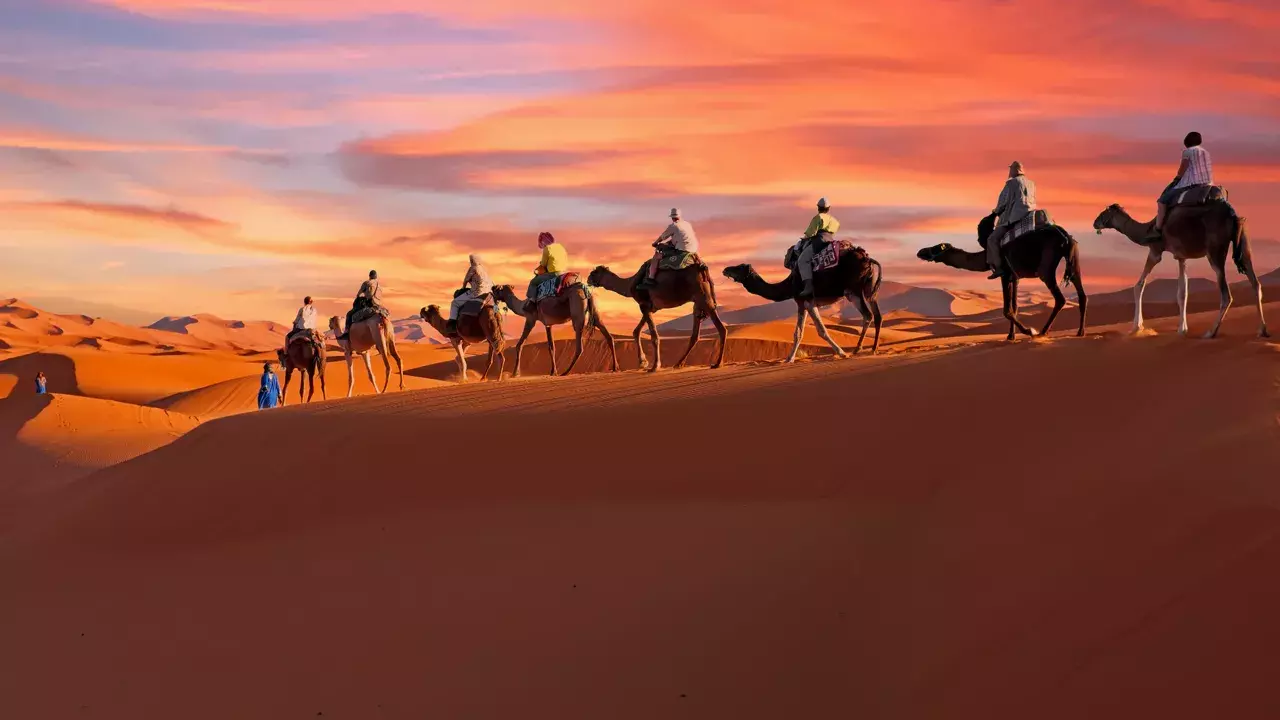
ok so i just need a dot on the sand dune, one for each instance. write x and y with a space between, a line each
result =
1100 557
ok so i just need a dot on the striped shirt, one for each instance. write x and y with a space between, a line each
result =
1199 168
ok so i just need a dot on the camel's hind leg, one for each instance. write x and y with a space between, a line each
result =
822 331
288 375
657 342
865 312
579 314
1257 294
693 338
799 334
368 365
551 349
608 338
1059 300
1224 291
395 355
1153 259
723 334
1011 307
878 319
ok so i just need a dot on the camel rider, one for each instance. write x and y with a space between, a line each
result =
475 285
1017 201
1196 169
555 260
369 295
822 229
677 238
305 322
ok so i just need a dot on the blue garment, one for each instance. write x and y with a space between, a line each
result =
269 393
42 387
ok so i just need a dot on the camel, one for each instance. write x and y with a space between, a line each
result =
575 304
472 329
857 277
674 288
302 356
1190 232
362 337
1036 254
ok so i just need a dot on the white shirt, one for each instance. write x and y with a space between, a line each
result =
680 233
1199 167
306 319
478 280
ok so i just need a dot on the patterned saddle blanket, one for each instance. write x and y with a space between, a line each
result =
475 307
367 312
555 284
301 336
1200 195
1036 220
673 259
829 255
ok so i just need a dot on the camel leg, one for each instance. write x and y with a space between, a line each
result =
351 374
1225 291
395 355
639 347
1082 300
1011 309
579 325
1153 259
368 365
608 338
529 322
1257 294
311 383
462 362
822 332
865 312
324 393
693 338
1182 297
488 363
724 335
657 342
1059 300
878 319
284 394
800 320
499 346
551 350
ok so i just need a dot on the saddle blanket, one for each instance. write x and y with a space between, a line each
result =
673 259
475 307
828 256
1200 195
365 313
312 336
555 284
1036 220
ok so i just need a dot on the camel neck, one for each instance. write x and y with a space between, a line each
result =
614 283
961 260
756 285
1131 228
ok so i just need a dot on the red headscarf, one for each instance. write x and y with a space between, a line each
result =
545 239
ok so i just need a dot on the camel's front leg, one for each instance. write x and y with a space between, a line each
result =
368 366
1011 307
657 342
1224 291
462 362
639 347
528 328
1182 297
311 383
1153 259
551 349
822 331
351 374
800 320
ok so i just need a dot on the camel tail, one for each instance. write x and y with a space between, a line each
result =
1239 246
875 288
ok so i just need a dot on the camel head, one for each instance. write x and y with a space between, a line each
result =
334 326
935 253
739 273
1107 218
503 293
430 314
597 275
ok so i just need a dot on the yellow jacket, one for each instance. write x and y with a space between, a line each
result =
821 222
555 259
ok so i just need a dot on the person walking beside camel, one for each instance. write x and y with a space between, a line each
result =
268 389
476 284
42 384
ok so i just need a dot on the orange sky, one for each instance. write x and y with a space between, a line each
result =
230 156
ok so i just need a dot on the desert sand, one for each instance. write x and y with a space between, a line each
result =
957 527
